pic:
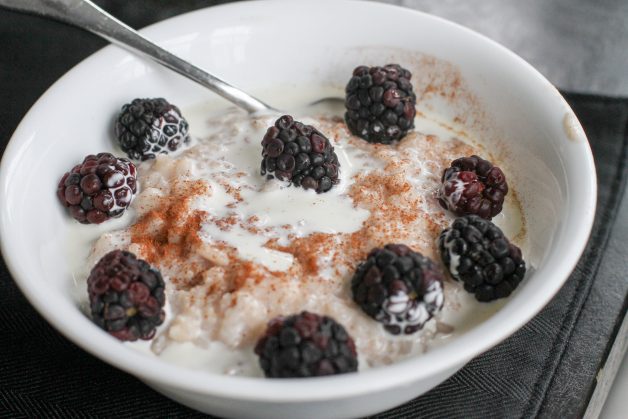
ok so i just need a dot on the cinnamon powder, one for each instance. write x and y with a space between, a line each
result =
168 234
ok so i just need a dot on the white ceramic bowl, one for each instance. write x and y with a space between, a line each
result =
257 45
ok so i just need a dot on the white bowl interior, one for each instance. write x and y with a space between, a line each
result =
287 44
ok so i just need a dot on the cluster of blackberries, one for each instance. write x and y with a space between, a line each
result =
100 188
306 345
126 296
399 288
477 253
147 127
380 103
472 185
300 154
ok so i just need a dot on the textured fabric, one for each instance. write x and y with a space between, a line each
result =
546 369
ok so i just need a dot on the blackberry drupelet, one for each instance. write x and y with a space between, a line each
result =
380 103
147 127
472 185
477 253
300 154
126 296
399 288
306 345
100 188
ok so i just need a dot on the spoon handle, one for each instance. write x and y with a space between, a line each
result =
86 15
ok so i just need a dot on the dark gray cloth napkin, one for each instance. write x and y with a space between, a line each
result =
546 369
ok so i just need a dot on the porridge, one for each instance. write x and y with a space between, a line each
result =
237 250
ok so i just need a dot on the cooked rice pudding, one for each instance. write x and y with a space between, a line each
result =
237 249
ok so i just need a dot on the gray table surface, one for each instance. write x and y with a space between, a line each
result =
579 45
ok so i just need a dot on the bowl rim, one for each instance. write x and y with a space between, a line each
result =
468 345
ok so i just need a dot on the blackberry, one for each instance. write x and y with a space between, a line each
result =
146 127
300 154
477 253
100 188
306 345
472 185
399 288
126 296
380 103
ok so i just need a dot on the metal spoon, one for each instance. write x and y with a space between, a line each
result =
86 15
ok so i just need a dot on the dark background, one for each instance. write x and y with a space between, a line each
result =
546 369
